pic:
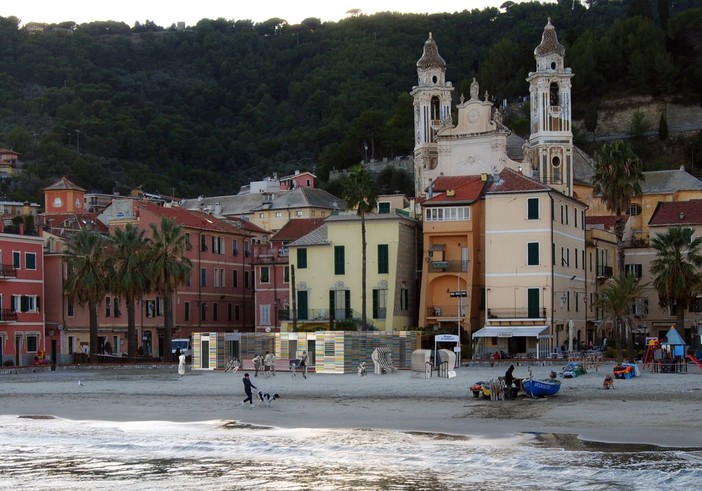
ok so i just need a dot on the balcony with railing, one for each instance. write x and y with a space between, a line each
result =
7 271
271 255
455 266
8 315
318 315
517 313
445 311
604 272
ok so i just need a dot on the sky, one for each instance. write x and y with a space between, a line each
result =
167 13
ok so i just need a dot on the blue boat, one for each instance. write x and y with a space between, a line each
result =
540 388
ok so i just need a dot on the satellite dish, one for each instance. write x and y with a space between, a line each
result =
268 329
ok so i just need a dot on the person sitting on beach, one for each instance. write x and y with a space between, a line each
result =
608 382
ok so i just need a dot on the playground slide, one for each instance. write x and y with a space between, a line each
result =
695 360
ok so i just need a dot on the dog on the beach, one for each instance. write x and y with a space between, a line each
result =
266 398
608 382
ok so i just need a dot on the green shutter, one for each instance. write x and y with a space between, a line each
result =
347 299
533 209
339 260
533 302
533 253
302 305
383 259
302 258
375 304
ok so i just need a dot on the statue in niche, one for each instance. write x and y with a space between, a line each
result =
474 89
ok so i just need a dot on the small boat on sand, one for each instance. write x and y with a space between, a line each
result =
540 388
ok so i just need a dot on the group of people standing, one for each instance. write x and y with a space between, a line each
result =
264 363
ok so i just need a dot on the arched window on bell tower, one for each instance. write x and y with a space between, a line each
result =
554 99
435 110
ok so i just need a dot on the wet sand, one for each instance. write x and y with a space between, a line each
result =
653 409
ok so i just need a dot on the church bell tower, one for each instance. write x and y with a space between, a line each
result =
550 151
432 109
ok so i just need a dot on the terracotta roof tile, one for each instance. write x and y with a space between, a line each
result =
605 221
296 228
511 181
677 213
459 189
191 219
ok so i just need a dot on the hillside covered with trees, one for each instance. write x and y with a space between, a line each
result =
205 109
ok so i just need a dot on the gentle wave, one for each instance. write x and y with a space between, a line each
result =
219 455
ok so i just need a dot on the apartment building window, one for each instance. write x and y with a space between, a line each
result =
215 311
235 247
383 260
25 303
635 270
566 214
299 213
30 261
108 307
533 302
264 313
150 308
575 218
576 258
302 258
229 312
188 281
286 274
235 278
533 209
339 260
533 254
404 299
203 276
384 207
203 311
16 260
448 214
246 279
265 274
70 308
278 214
186 313
115 309
247 253
217 245
577 302
203 243
237 312
32 343
380 303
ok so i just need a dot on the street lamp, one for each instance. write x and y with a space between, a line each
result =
365 149
77 141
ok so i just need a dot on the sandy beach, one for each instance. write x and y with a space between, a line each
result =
655 408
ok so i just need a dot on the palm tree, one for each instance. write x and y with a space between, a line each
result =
359 193
167 269
617 177
87 276
129 280
615 300
676 270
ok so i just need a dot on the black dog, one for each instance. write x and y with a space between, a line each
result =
266 398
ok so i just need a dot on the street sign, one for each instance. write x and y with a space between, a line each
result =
459 293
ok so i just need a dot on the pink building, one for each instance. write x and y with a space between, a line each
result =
23 339
272 272
297 180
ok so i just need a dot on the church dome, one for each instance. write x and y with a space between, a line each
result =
431 57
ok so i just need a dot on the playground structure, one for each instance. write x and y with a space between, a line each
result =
667 356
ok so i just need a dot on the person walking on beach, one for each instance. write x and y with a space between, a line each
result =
248 385
257 361
181 365
303 364
267 363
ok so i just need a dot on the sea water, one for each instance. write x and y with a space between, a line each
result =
62 454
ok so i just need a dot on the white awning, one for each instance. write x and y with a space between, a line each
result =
510 332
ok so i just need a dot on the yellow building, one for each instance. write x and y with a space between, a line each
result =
535 268
326 274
